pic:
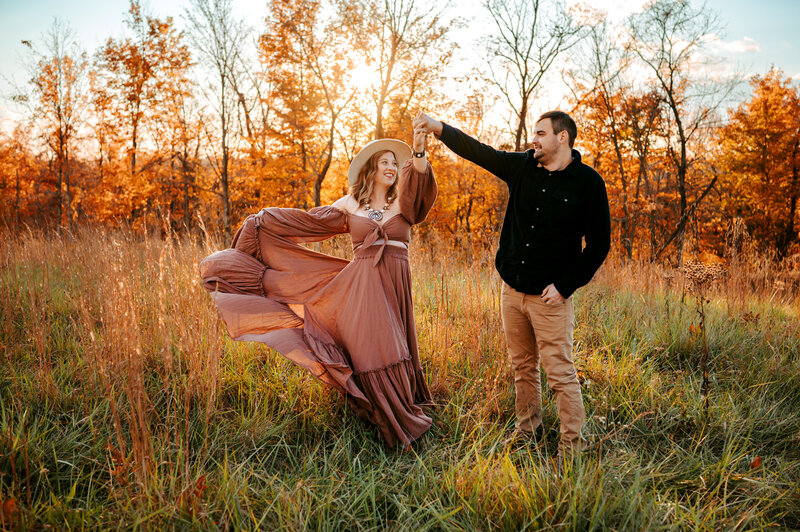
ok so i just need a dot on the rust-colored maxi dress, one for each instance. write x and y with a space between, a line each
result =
356 331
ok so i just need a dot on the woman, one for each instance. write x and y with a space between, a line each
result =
350 323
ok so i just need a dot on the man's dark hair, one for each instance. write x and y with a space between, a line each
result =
562 122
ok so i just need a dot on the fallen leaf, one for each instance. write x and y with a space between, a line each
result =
756 463
9 511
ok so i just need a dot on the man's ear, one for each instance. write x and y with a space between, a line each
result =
563 136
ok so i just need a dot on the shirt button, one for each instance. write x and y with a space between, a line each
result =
531 227
523 262
527 245
537 208
542 190
565 199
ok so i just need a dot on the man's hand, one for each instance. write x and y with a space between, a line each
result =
551 295
425 123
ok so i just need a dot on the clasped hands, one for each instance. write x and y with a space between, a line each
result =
424 124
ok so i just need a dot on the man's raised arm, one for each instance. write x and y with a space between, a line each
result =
504 165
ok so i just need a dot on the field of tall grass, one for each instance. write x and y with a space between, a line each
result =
124 404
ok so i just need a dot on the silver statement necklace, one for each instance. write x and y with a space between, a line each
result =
376 215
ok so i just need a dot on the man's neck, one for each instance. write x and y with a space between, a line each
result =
559 163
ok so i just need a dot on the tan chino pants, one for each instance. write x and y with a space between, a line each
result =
537 332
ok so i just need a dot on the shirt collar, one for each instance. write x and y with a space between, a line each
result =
572 167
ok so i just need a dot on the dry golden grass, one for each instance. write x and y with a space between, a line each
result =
125 405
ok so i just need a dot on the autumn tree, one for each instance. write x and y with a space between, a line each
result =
644 115
762 161
219 39
56 103
667 38
619 123
136 77
302 52
530 35
186 142
18 173
405 43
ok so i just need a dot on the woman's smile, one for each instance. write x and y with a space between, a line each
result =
387 167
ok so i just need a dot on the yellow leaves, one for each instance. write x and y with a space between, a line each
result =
761 160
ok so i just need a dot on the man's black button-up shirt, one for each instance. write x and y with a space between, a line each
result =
548 214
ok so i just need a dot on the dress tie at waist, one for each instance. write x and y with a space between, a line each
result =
372 237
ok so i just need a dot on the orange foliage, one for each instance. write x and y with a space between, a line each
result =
143 142
137 87
762 162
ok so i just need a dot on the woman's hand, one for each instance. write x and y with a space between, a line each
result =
420 163
419 140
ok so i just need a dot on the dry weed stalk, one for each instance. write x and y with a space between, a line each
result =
701 277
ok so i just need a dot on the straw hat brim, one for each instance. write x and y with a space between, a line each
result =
401 150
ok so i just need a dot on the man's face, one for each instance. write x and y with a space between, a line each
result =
545 142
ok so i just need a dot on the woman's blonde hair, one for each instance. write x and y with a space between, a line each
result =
361 190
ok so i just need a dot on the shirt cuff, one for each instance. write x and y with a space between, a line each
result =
564 289
447 132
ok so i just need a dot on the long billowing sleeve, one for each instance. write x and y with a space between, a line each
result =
417 192
314 225
270 260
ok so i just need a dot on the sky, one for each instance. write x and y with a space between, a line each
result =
757 35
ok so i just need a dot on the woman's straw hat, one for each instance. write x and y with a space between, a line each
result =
401 150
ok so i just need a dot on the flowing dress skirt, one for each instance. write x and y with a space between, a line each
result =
351 324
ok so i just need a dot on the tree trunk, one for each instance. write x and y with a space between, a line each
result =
68 198
223 171
134 147
521 127
16 202
790 235
385 91
325 167
226 204
59 193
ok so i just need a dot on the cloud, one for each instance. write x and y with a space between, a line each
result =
720 60
744 46
796 77
720 47
617 10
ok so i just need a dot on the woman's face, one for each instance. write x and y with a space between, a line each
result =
386 173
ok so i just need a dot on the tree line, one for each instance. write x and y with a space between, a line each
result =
201 121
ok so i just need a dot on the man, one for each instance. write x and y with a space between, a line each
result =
554 201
